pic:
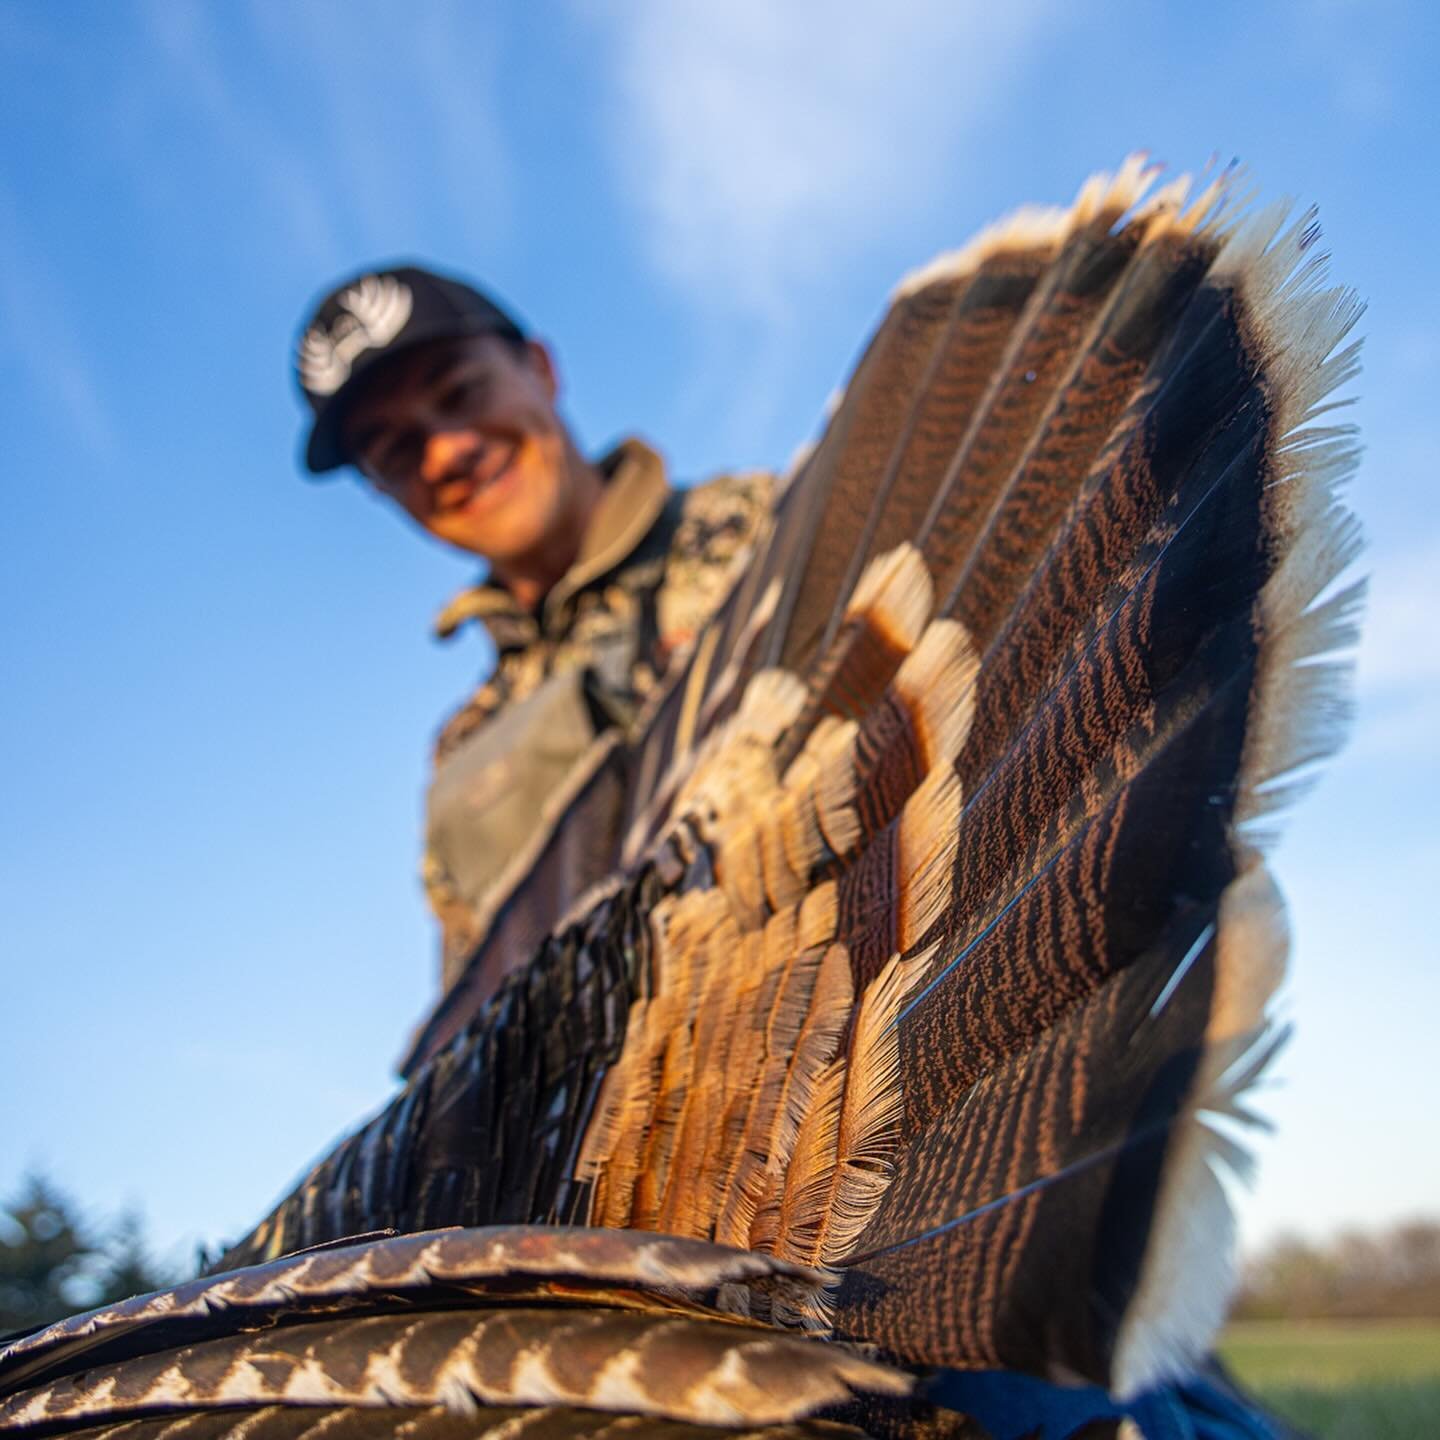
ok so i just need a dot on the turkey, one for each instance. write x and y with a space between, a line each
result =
882 1013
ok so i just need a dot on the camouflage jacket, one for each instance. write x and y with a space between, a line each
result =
654 564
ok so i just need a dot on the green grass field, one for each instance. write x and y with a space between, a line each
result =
1343 1380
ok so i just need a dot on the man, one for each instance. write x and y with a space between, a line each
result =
598 575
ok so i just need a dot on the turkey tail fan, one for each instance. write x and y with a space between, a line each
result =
1135 527
943 935
1114 937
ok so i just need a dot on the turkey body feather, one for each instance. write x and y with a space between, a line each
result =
918 949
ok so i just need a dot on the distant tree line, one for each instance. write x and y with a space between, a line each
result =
1391 1273
54 1260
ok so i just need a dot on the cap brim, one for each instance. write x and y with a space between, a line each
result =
324 453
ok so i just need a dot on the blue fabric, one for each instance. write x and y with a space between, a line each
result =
1015 1407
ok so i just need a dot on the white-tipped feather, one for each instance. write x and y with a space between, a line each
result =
819 913
1187 1274
926 846
896 594
1104 193
936 682
1027 230
835 788
1298 715
1300 709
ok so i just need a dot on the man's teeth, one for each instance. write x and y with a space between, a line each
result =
489 471
459 492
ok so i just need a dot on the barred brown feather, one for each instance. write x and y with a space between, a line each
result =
350 1422
706 1372
605 1267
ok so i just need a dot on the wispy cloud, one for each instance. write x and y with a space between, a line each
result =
245 132
1398 680
1357 50
458 74
765 150
765 144
346 119
1400 649
393 102
38 326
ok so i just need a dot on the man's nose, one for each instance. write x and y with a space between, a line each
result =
447 451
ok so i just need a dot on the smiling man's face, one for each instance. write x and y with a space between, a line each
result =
464 436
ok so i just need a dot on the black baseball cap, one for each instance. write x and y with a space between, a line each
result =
371 318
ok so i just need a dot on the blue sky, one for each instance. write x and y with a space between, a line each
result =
219 684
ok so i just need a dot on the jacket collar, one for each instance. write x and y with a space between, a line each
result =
635 493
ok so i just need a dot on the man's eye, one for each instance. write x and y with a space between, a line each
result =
463 395
400 456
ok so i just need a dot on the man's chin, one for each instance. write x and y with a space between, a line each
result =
497 543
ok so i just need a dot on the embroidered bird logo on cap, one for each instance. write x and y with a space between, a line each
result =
372 313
